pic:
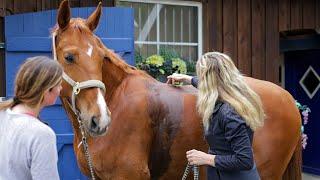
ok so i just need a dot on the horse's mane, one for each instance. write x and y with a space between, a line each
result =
79 25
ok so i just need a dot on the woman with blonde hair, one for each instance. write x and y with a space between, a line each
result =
28 146
230 111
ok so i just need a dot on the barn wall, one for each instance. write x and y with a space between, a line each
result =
248 30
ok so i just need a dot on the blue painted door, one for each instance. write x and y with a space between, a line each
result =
29 35
303 82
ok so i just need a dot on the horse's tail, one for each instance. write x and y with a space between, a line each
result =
293 171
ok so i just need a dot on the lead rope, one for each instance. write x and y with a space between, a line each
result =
83 138
195 172
86 147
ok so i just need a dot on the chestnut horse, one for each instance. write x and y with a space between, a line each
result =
154 124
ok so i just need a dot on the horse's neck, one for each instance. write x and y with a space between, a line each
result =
112 77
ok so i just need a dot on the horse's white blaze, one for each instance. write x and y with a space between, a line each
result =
89 52
104 119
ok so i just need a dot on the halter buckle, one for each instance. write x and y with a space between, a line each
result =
76 89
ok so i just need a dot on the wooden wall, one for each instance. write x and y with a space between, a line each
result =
248 30
8 7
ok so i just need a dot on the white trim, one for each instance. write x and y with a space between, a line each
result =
199 31
149 23
166 43
159 7
304 87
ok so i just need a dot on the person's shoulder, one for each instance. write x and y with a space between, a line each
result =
225 108
38 129
44 129
229 113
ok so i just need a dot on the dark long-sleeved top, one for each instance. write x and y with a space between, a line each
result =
230 139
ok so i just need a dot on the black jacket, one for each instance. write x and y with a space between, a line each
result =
230 139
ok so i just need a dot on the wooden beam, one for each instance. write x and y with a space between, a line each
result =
272 42
258 39
284 15
230 29
308 13
296 14
244 37
215 25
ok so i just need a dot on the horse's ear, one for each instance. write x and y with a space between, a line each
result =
64 14
93 19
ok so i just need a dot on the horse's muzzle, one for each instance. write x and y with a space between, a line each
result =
95 129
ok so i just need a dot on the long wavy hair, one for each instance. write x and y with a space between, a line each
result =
34 77
220 79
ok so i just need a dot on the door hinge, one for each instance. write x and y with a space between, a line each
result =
2 45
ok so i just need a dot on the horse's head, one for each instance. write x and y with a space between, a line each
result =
79 52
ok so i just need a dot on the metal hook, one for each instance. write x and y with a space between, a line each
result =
76 89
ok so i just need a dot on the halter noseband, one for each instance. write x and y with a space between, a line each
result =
76 86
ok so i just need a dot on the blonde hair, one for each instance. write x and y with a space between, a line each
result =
220 79
34 77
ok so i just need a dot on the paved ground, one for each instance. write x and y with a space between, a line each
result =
309 177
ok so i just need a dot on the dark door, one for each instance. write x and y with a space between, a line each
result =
302 71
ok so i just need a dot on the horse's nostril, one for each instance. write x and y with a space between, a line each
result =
94 122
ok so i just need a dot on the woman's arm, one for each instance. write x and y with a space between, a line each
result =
236 133
177 78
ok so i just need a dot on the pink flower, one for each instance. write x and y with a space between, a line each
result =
305 120
304 139
305 113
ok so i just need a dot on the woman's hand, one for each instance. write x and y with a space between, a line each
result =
178 78
196 157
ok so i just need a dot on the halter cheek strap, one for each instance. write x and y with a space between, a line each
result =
76 86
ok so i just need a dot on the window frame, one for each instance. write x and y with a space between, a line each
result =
178 3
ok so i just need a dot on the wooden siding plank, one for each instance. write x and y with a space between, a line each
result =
88 3
52 4
296 14
309 12
258 39
91 3
230 29
244 37
23 6
317 14
272 41
74 3
284 15
2 8
215 25
206 24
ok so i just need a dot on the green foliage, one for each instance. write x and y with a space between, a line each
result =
164 64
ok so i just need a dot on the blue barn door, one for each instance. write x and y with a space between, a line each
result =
29 35
302 80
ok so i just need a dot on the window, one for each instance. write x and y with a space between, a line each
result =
174 25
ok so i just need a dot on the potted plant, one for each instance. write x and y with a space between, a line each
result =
162 65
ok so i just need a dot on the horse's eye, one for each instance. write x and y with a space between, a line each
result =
69 58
